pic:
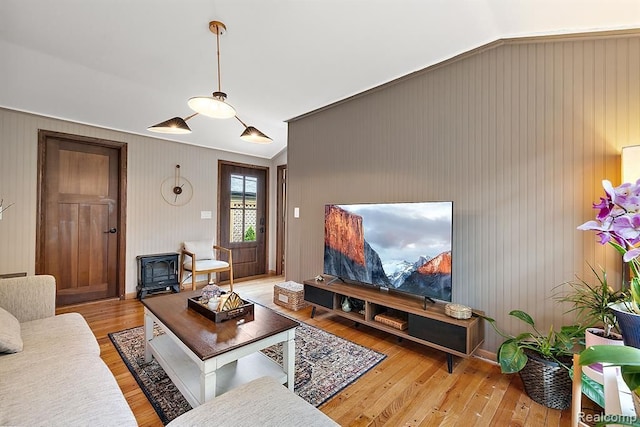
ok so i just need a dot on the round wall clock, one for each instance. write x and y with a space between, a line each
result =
176 190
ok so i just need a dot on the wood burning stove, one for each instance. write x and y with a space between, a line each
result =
157 272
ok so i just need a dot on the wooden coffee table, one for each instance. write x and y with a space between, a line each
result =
205 359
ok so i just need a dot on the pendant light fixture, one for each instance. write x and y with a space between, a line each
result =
214 106
252 134
176 126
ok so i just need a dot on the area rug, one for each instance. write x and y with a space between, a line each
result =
325 364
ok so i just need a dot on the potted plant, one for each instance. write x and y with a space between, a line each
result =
592 305
541 359
618 224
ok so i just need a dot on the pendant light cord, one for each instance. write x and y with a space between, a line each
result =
218 53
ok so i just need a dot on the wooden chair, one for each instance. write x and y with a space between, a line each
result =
198 257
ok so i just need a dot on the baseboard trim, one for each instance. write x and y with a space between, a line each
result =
486 356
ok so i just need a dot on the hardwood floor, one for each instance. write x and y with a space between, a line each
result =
410 387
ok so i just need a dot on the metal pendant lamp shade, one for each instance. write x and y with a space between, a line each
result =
214 106
252 134
175 126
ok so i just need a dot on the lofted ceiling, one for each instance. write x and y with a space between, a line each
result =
129 64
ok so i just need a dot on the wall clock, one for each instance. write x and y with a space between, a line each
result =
176 190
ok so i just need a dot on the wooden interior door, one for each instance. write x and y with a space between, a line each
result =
242 215
79 221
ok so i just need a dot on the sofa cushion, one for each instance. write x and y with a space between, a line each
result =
10 339
66 391
207 264
262 402
56 337
29 297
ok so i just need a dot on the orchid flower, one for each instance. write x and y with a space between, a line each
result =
618 224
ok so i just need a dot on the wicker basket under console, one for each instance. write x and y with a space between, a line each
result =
289 295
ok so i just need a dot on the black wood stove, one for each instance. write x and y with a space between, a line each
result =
157 272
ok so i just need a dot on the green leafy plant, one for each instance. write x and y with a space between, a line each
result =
628 358
552 345
591 303
250 234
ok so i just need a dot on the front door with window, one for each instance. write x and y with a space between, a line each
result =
243 217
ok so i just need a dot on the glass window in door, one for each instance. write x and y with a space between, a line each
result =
243 207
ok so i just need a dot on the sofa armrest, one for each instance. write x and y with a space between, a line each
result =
29 297
261 402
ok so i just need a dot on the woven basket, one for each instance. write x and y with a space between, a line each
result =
457 311
289 295
547 382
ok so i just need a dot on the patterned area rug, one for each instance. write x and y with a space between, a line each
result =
325 364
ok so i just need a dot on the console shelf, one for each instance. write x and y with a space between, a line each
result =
430 326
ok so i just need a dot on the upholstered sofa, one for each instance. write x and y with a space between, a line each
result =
262 402
51 372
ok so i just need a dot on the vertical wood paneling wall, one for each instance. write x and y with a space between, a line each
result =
153 226
519 134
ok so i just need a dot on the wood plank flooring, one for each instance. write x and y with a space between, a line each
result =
411 387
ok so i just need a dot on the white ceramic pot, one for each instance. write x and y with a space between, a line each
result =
592 337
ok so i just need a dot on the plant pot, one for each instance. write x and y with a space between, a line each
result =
629 324
595 336
547 382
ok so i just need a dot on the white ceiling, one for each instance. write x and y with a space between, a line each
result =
128 64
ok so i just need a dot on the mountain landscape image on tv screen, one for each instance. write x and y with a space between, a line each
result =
404 247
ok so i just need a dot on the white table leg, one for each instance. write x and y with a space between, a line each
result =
207 386
289 358
148 336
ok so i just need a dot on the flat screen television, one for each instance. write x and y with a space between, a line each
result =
404 247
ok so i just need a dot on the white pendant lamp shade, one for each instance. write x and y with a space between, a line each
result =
212 106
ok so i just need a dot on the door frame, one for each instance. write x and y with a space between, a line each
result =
266 207
43 137
281 219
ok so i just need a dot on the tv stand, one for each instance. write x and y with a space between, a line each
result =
426 321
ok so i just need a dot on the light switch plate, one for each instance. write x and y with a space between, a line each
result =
205 214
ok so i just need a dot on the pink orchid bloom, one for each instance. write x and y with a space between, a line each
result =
618 218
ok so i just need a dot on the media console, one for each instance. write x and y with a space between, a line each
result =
430 326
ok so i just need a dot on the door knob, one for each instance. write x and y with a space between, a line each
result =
111 230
